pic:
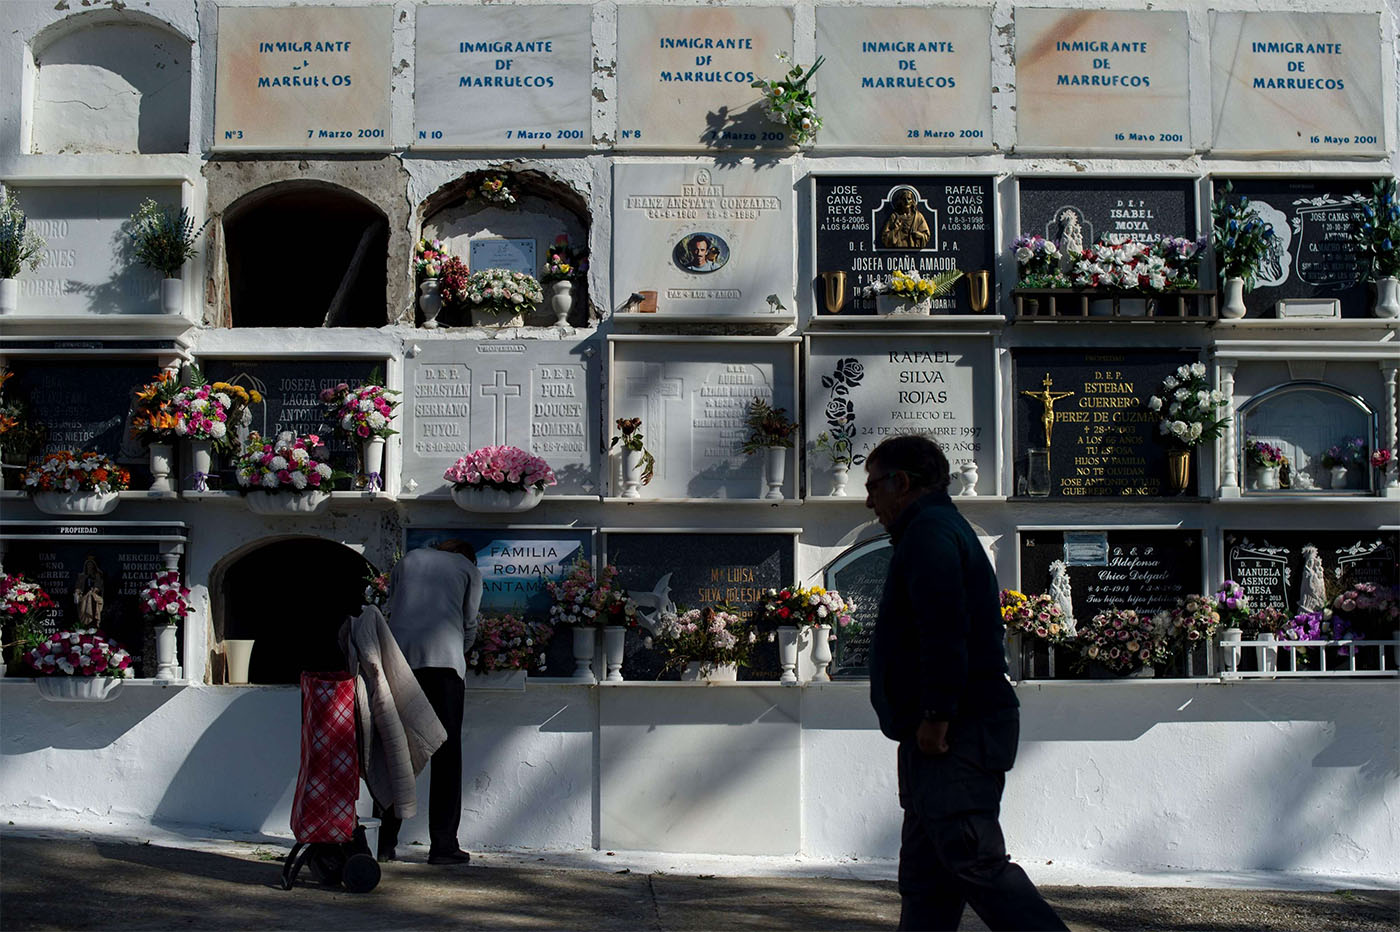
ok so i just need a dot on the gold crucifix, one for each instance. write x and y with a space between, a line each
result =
1047 401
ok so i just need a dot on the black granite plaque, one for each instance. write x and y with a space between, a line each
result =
862 231
1103 440
291 390
859 575
1270 564
1314 256
1147 571
1085 209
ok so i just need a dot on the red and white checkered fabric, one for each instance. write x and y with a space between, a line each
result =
329 782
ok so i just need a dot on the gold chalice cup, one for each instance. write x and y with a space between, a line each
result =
835 291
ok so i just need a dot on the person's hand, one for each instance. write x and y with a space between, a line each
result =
932 738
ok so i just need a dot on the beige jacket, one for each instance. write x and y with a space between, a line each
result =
398 729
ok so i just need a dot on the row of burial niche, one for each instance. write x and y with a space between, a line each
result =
1320 437
110 81
290 597
512 220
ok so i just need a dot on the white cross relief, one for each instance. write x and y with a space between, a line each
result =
653 386
501 390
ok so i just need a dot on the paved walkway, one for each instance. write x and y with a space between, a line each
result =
68 882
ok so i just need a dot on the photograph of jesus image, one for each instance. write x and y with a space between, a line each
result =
700 252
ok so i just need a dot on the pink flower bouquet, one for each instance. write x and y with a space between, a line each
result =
580 598
504 642
509 469
201 413
81 652
290 463
361 412
1122 640
164 600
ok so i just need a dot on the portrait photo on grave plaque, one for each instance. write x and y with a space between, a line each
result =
1082 425
1314 269
868 227
1297 570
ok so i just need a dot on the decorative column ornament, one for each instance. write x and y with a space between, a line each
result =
1229 479
1389 368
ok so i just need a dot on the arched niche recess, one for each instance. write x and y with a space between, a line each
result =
544 208
1304 419
289 595
111 81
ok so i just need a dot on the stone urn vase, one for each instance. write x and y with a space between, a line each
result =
787 654
162 466
561 301
172 296
9 295
1388 296
429 302
1233 308
774 471
840 473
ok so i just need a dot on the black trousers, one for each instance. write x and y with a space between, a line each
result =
951 852
447 694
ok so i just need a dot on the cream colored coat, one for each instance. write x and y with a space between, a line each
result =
398 729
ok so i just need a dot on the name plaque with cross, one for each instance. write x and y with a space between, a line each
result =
535 395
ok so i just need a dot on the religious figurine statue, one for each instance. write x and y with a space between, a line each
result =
1069 237
87 593
1060 592
1047 401
658 601
906 228
1313 595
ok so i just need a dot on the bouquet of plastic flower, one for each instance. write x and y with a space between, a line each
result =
1188 407
1264 454
563 261
1232 604
361 412
509 469
288 463
1241 237
1381 459
1376 232
501 291
1036 616
1181 258
428 257
494 189
703 636
504 642
24 607
201 413
80 652
581 598
153 418
912 285
1038 263
164 600
1369 608
377 589
66 471
453 276
1350 452
1196 618
803 608
788 101
1122 640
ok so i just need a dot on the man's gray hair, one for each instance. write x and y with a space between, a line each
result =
916 455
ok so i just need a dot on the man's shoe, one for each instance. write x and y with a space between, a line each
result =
456 856
386 856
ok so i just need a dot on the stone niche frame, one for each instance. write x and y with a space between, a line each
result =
455 203
237 185
654 353
1364 414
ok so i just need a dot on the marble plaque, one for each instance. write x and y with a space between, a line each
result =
1306 84
540 396
904 78
1109 80
503 77
684 75
1148 571
712 241
88 265
516 255
692 398
1084 210
1270 565
870 387
305 78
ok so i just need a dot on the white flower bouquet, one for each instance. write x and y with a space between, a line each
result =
1189 406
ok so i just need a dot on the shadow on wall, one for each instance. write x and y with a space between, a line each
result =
75 726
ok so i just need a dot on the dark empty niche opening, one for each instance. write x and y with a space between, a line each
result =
307 257
291 597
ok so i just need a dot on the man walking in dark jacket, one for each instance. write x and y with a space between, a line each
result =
938 684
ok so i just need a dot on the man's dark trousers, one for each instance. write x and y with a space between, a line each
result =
447 694
952 852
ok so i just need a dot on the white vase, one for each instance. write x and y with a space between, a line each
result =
614 636
1233 308
238 652
172 296
561 301
372 463
78 688
821 653
1266 654
166 651
632 473
968 476
1265 478
9 295
162 465
485 500
1339 477
275 504
1388 296
840 473
429 302
201 465
1230 649
787 654
697 670
88 504
585 645
774 470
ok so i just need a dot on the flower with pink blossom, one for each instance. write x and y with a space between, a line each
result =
509 469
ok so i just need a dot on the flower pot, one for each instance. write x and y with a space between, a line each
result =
484 316
632 473
162 465
1265 478
585 645
238 653
967 475
78 688
787 654
889 305
372 463
166 651
305 502
172 296
1178 470
561 301
840 472
1132 307
201 465
614 637
486 500
1230 650
1233 308
774 468
1267 655
90 504
429 302
698 670
9 295
821 653
1101 307
1338 474
1388 296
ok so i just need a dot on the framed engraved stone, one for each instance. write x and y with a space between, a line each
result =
1143 569
1077 211
1293 569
